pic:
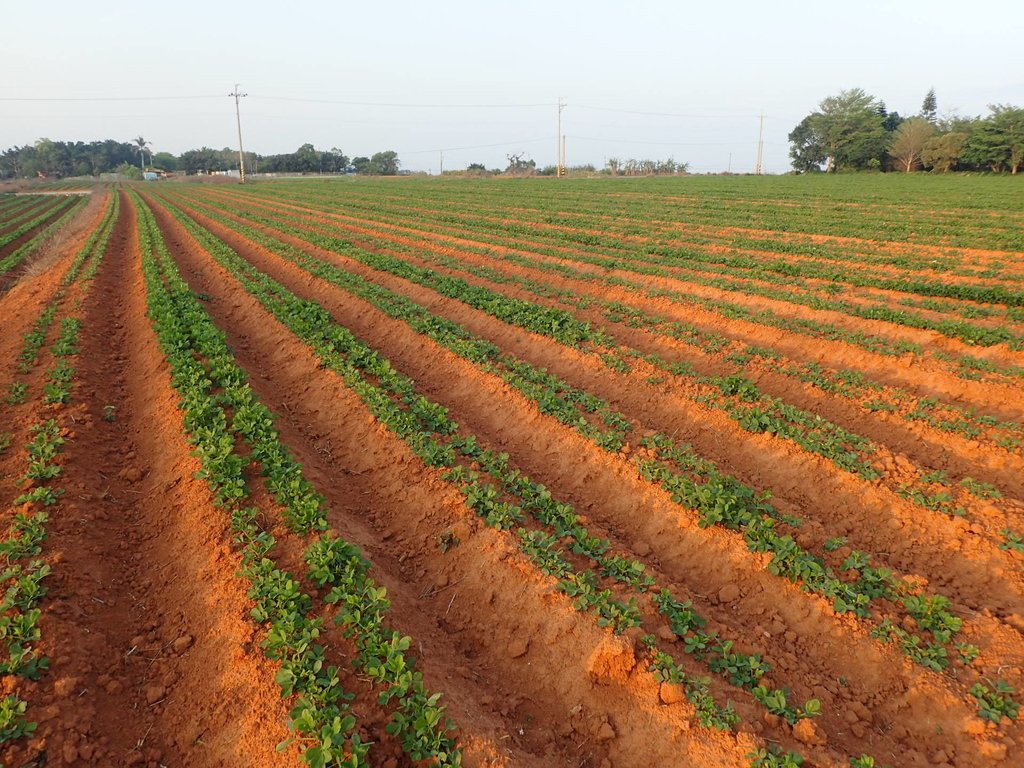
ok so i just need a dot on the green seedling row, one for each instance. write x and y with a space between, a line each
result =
503 502
211 384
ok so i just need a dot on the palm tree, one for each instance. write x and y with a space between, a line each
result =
141 145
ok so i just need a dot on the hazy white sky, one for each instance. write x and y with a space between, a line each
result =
714 65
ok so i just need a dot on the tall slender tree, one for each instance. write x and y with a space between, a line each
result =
930 106
141 145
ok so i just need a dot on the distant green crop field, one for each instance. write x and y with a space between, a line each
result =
951 210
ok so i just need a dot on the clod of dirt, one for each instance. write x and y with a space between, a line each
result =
155 693
806 732
182 644
518 647
975 726
611 661
994 750
666 633
671 693
70 753
728 593
65 686
605 732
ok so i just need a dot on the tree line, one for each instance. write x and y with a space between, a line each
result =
60 159
853 131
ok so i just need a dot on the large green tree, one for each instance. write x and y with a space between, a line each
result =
165 161
383 164
997 142
846 133
206 160
942 153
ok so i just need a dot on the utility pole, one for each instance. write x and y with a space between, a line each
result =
442 162
560 142
760 146
565 171
238 119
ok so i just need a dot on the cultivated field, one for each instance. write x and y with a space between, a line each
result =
598 473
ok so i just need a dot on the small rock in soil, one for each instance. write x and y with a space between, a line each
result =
154 693
728 593
518 647
182 644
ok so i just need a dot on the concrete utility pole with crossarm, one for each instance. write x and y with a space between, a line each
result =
238 119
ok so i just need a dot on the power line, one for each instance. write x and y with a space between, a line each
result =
658 143
475 146
297 99
660 114
105 98
397 104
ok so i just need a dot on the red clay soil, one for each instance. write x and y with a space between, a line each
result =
20 240
922 374
898 439
64 242
155 662
711 235
528 679
928 447
145 622
797 393
697 564
917 440
448 230
762 461
15 220
21 306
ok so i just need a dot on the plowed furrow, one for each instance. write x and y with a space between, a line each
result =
924 376
869 515
472 605
145 622
621 507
